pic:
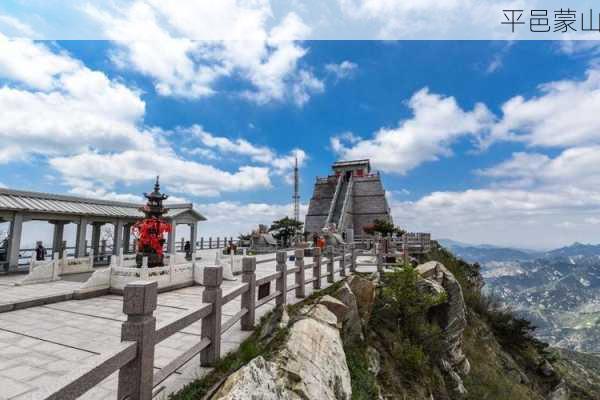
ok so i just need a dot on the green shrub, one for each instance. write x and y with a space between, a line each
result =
400 317
364 384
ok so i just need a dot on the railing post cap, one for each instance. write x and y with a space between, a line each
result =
213 276
281 256
248 264
139 298
299 253
317 251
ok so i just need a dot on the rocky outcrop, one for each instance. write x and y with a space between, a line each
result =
561 392
451 317
364 291
310 365
352 325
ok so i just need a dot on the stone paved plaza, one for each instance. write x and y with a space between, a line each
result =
41 344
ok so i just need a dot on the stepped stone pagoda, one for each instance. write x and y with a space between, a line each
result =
349 199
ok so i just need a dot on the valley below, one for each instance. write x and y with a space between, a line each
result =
557 290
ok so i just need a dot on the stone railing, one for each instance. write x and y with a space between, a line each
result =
134 359
52 270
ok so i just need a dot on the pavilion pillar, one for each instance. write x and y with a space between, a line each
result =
96 230
193 235
126 238
171 238
80 241
14 243
57 238
118 237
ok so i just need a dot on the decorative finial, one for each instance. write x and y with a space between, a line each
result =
157 185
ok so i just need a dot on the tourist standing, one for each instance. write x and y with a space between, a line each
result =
40 252
188 250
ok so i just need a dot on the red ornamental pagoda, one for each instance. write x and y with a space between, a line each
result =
150 231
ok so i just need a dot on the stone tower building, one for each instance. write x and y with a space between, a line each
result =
349 199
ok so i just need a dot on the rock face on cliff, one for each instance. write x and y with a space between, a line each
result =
407 334
310 365
452 319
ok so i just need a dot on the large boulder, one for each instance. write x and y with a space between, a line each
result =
335 306
351 321
364 291
259 379
311 364
314 360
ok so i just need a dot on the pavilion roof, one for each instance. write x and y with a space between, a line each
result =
35 202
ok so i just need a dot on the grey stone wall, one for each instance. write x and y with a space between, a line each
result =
368 203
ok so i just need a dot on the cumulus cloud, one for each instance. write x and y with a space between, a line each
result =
527 193
91 190
90 129
431 18
530 191
243 47
179 175
64 107
574 166
260 154
437 122
563 114
343 70
503 216
232 218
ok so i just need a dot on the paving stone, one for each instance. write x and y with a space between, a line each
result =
22 373
10 388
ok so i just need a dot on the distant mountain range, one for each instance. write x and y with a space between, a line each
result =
558 290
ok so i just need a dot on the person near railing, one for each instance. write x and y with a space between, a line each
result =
188 250
4 251
40 252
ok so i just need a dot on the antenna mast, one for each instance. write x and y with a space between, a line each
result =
296 197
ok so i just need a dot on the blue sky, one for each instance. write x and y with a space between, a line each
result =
479 141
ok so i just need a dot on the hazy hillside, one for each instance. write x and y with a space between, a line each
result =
559 290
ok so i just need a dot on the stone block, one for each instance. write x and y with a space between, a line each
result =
140 298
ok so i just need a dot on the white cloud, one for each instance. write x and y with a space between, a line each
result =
576 47
306 85
14 27
206 154
232 218
528 193
497 61
503 216
242 46
431 18
179 175
260 154
68 108
437 122
16 63
91 190
593 220
563 114
343 70
89 129
578 166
